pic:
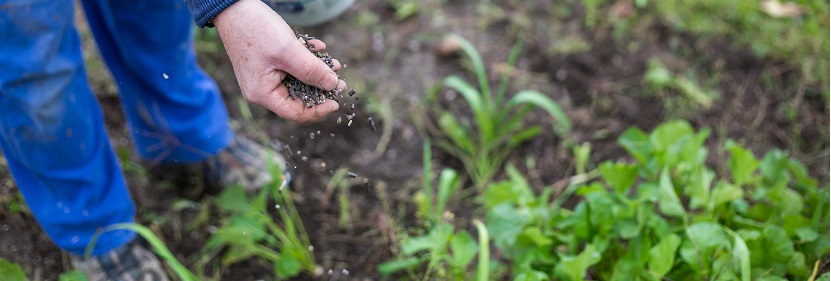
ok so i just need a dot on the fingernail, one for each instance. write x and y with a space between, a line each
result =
330 82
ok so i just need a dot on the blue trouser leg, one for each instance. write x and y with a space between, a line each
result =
51 128
174 108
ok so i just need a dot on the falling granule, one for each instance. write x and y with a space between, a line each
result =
277 206
344 271
339 120
372 123
165 76
352 175
351 92
323 165
350 123
332 135
304 158
311 248
331 271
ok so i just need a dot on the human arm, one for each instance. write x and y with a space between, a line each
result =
263 48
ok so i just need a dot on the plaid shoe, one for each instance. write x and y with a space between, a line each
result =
243 162
133 261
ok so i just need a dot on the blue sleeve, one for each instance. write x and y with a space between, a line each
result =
203 11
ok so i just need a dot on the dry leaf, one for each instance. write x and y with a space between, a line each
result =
777 9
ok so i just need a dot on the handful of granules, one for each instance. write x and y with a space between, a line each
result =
311 95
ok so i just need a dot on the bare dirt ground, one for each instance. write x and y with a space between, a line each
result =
596 77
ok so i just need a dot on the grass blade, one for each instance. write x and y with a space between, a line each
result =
540 100
476 60
158 247
483 267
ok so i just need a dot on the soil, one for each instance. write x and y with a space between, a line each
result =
762 105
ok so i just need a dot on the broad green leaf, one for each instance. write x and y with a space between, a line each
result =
563 124
807 234
73 275
723 193
393 266
234 200
662 255
637 143
11 271
742 255
824 277
413 245
703 240
531 275
535 235
774 166
699 188
619 175
464 249
668 201
778 246
742 163
504 224
574 267
801 173
797 266
669 133
789 202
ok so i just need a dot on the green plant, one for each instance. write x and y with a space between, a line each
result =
156 244
692 96
446 253
250 232
667 216
11 271
497 126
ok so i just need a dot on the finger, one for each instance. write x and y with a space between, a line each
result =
336 65
284 106
311 70
318 45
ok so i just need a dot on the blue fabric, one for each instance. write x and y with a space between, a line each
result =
203 11
51 125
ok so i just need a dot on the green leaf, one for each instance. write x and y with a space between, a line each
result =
742 254
11 271
464 249
538 99
457 134
723 193
668 201
742 164
775 166
699 188
807 234
448 180
669 133
662 255
288 265
393 266
789 202
531 275
73 275
619 175
504 224
637 143
704 239
234 200
476 60
523 136
801 173
574 267
535 235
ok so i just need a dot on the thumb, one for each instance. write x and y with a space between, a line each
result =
306 67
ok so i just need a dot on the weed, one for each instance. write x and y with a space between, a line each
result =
497 123
767 218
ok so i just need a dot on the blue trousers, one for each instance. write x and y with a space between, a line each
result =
51 125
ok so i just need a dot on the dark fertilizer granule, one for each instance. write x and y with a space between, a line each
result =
311 95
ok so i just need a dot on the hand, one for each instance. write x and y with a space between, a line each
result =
263 48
